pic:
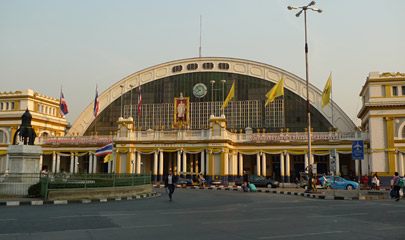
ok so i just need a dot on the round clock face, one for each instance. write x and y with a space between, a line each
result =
200 90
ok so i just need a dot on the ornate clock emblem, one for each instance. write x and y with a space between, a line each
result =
200 90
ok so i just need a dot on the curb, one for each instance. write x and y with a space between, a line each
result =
307 195
85 201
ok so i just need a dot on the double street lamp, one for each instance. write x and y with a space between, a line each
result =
304 9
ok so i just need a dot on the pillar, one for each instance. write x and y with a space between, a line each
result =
306 161
178 161
160 164
41 159
207 162
202 161
357 167
72 162
240 164
210 175
225 167
264 172
138 162
155 168
282 168
400 163
287 168
57 163
95 160
184 169
91 157
76 166
53 163
258 172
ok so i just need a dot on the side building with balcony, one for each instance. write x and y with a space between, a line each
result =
383 116
44 110
160 134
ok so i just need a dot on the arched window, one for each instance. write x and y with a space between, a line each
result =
44 134
403 132
3 137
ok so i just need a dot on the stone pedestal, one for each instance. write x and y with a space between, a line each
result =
24 158
24 171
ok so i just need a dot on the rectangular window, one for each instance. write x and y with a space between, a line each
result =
403 90
394 91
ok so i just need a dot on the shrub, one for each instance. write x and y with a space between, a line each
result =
35 190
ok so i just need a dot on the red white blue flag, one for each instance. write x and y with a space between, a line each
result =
62 105
95 109
104 150
139 98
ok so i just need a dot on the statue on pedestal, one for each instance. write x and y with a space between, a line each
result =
25 131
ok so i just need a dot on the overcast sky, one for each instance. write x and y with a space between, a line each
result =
46 44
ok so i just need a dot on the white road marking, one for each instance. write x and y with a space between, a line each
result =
240 221
148 226
95 215
303 234
388 228
202 211
9 219
340 215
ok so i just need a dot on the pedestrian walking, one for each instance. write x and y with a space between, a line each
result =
396 185
170 181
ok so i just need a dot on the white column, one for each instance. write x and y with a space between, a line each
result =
202 162
91 160
258 172
72 162
76 166
110 166
41 159
95 163
207 162
287 165
400 164
57 163
161 162
7 163
184 161
155 165
311 159
337 164
53 163
264 165
178 162
138 162
240 164
226 163
282 168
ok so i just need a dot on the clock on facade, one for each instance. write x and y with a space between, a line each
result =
200 90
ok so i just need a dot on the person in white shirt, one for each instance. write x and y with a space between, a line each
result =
170 182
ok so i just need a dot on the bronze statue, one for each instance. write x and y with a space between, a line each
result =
26 132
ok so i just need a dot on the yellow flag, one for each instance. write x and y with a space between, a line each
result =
276 91
108 158
231 94
326 91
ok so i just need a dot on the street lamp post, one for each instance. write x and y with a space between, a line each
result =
304 9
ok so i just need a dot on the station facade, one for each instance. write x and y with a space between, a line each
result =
180 126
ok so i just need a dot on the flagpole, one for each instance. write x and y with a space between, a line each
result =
331 102
95 117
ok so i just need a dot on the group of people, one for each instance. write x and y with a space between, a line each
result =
374 183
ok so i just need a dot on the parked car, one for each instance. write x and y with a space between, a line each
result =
340 183
258 181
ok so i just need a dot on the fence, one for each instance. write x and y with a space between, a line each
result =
50 181
17 184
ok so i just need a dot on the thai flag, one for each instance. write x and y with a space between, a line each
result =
95 109
104 150
62 105
139 99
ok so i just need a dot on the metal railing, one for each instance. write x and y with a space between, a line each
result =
63 181
17 184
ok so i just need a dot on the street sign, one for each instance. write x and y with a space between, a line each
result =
358 150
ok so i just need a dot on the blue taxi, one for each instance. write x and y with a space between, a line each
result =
340 183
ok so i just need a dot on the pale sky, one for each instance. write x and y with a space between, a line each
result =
46 44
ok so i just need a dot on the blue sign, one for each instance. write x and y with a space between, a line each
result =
358 150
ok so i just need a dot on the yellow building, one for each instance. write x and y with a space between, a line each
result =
383 118
46 120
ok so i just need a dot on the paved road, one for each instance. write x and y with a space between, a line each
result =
204 214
